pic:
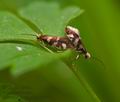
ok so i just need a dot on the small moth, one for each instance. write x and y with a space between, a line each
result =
73 35
71 40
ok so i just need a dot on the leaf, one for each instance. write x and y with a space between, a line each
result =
63 78
49 17
13 98
20 51
7 95
12 28
23 58
11 54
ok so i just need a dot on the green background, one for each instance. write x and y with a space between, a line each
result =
100 29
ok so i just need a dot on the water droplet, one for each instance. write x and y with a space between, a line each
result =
19 48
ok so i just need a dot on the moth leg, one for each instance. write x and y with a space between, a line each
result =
77 57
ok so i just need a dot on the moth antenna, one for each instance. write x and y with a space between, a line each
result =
37 35
99 60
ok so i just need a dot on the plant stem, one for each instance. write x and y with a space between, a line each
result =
83 82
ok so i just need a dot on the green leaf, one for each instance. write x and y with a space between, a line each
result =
7 95
13 98
12 28
63 79
21 56
49 17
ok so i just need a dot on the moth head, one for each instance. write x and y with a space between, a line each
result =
71 30
38 36
87 55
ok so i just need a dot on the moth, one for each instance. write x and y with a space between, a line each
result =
71 40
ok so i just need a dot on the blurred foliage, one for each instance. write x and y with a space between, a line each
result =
91 81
